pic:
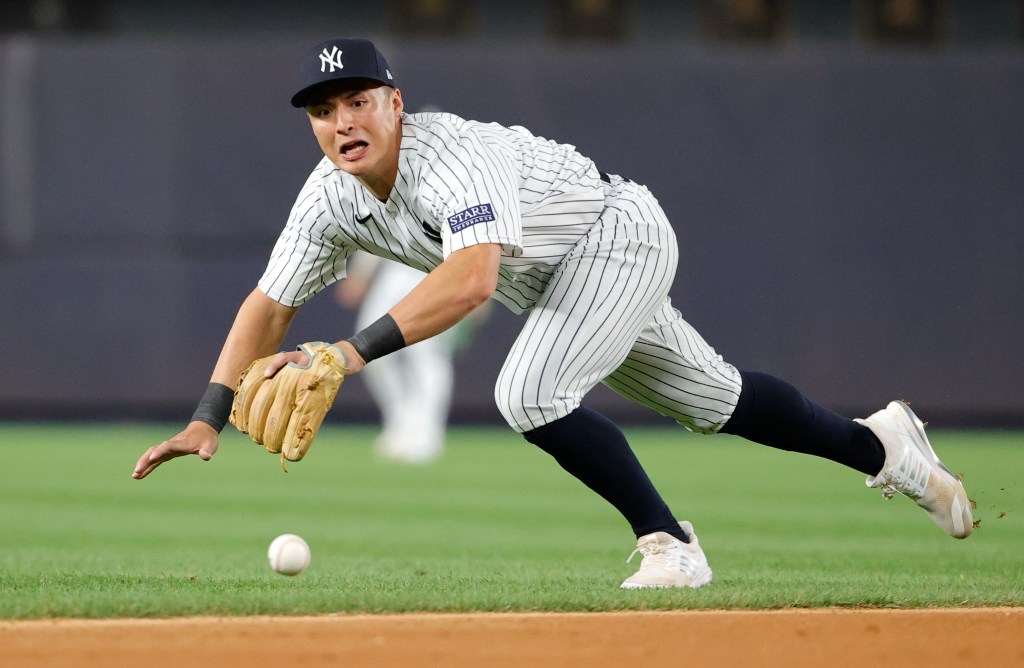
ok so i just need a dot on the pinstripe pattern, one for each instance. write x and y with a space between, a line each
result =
544 195
672 370
606 317
591 261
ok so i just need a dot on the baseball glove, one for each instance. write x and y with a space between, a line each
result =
284 413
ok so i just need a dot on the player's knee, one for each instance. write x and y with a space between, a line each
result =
526 415
513 412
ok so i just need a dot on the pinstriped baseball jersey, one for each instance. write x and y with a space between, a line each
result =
606 317
459 183
591 257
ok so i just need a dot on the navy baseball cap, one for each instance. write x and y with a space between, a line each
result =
340 58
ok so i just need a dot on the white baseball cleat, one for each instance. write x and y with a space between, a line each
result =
669 562
418 451
913 469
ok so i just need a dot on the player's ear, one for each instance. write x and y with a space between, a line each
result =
397 105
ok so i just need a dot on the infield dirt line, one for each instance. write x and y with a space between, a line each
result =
989 637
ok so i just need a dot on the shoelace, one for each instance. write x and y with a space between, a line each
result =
652 549
657 555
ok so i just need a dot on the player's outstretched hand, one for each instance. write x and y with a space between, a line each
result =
198 438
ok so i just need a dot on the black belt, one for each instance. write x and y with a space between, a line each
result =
607 179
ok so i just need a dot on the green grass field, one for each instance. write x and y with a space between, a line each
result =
495 525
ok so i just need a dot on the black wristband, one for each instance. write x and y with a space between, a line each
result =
215 406
378 339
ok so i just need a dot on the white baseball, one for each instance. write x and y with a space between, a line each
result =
289 554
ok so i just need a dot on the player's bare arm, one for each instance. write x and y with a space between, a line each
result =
448 294
258 331
444 298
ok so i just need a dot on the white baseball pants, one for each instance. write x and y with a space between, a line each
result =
606 317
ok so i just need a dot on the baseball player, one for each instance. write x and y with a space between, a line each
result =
496 212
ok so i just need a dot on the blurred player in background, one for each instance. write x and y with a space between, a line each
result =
413 386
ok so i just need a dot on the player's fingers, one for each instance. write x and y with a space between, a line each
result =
281 359
175 447
208 449
149 460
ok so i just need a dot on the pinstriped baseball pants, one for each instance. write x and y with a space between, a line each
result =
605 316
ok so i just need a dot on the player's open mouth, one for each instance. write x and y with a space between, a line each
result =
354 149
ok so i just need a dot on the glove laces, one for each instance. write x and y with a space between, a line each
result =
330 360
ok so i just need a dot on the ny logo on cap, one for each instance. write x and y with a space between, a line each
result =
332 59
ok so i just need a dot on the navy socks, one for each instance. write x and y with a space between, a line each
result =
772 412
589 446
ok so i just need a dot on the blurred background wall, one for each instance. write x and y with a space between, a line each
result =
846 179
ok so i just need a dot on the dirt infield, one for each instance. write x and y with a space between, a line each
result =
734 639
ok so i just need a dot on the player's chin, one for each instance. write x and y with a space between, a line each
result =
350 168
340 162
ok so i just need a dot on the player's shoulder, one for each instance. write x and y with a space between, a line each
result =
425 120
443 130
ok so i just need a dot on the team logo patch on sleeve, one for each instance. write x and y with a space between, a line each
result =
481 213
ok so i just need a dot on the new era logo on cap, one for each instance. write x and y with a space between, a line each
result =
340 58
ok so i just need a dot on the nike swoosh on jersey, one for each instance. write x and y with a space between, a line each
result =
362 221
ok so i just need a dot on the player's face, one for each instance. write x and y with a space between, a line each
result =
359 129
